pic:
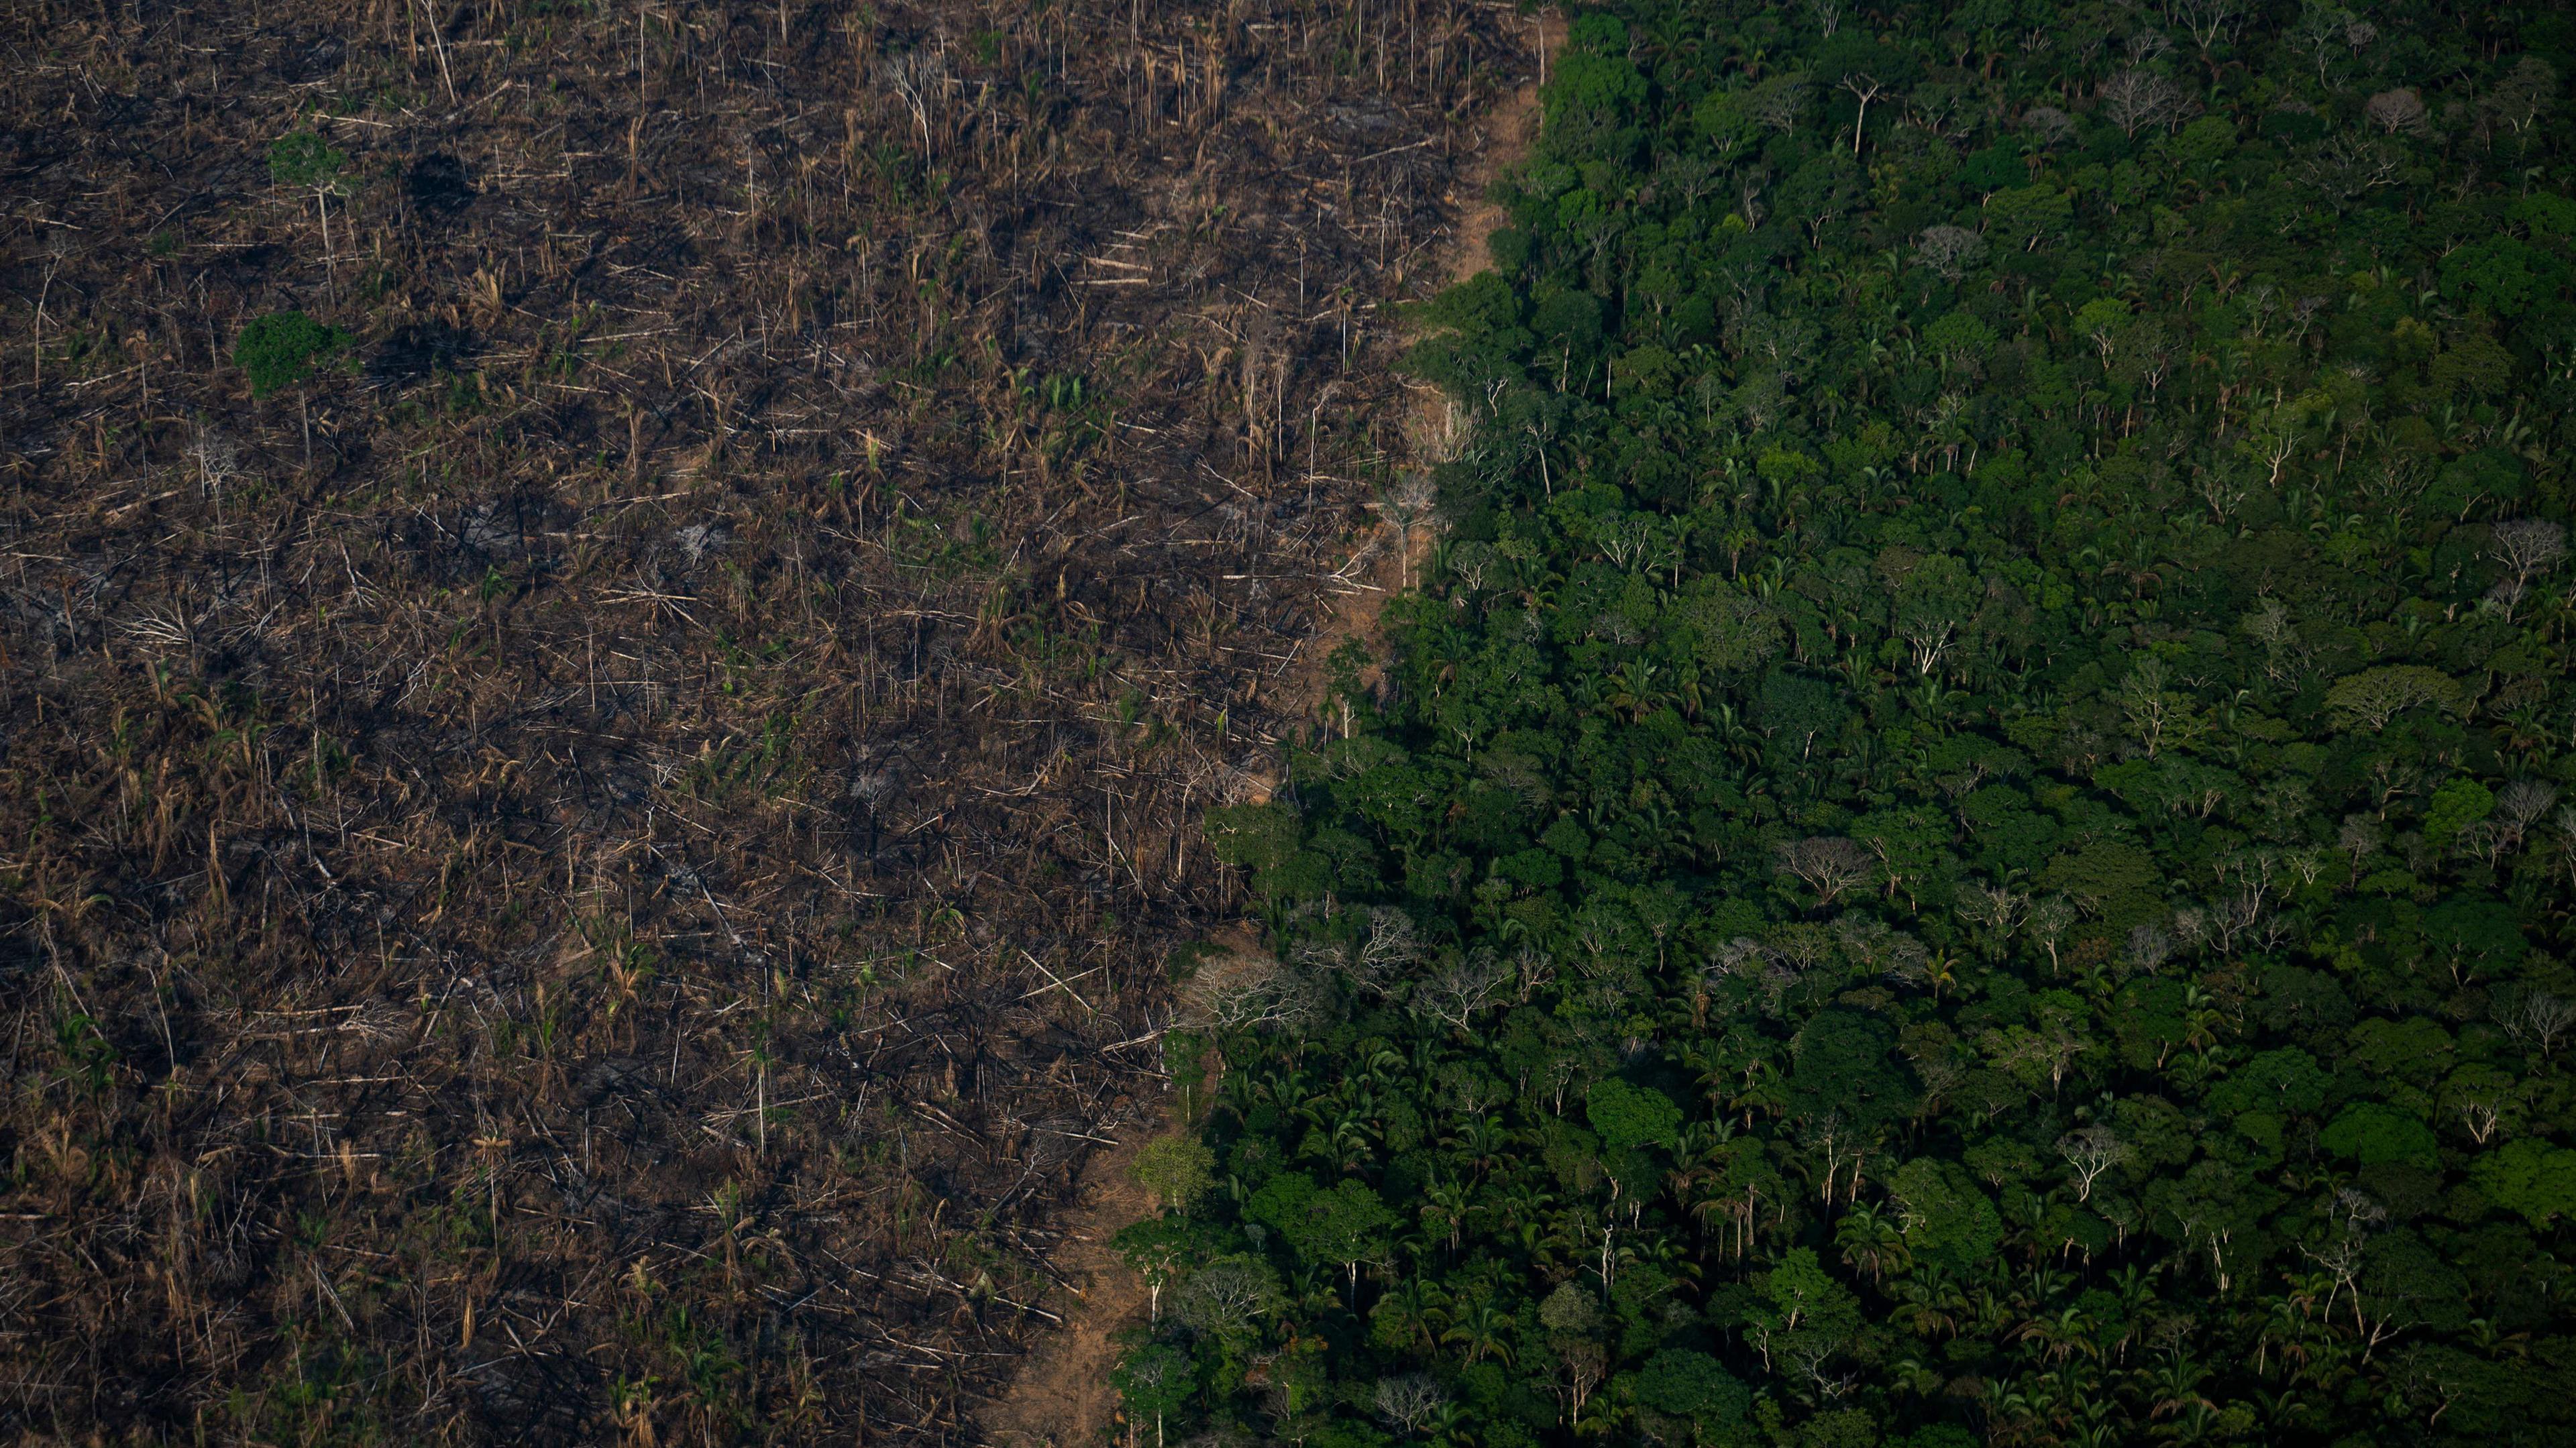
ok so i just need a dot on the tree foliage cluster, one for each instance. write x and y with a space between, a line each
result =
1966 840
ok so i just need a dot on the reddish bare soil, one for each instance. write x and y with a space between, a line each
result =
1061 1396
1377 569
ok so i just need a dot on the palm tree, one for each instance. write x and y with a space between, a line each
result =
1482 1141
1871 1242
1483 1330
1930 1303
2176 1389
2062 1335
1523 1203
1445 1204
1418 1309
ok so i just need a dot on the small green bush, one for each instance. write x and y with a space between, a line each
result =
303 159
283 348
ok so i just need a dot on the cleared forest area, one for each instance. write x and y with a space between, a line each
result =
614 624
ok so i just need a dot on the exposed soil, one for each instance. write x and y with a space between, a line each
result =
1509 130
1060 1397
1358 591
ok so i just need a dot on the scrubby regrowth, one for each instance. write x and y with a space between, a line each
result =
1966 840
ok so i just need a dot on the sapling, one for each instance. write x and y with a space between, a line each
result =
304 160
281 350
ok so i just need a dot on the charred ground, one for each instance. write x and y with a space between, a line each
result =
597 864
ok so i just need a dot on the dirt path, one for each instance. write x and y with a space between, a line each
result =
1377 570
1062 1397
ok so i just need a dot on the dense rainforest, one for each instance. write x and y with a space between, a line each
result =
1969 836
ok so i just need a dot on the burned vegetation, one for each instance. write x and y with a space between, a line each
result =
614 623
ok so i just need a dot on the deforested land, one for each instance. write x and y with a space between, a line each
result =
616 625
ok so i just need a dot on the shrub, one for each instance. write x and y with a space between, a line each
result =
284 348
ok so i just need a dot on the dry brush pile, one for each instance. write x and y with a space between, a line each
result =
594 860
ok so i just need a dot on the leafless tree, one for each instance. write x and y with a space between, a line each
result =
2152 709
2149 948
2349 166
217 459
2506 595
2524 95
2320 32
1807 1355
1864 89
1748 199
1950 250
2207 22
1767 970
1533 969
1936 105
1393 942
1776 102
2051 1048
1239 990
2247 915
2222 488
2486 840
1928 639
2271 626
2053 126
1739 958
1689 177
1870 943
2355 1215
2519 806
2396 111
1466 985
917 79
2527 548
2049 921
1997 910
1409 1401
2521 803
2137 99
1829 865
2308 864
1586 1364
1226 1297
2089 1152
2191 924
1405 505
2357 1212
2479 1116
2537 1019
2563 825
